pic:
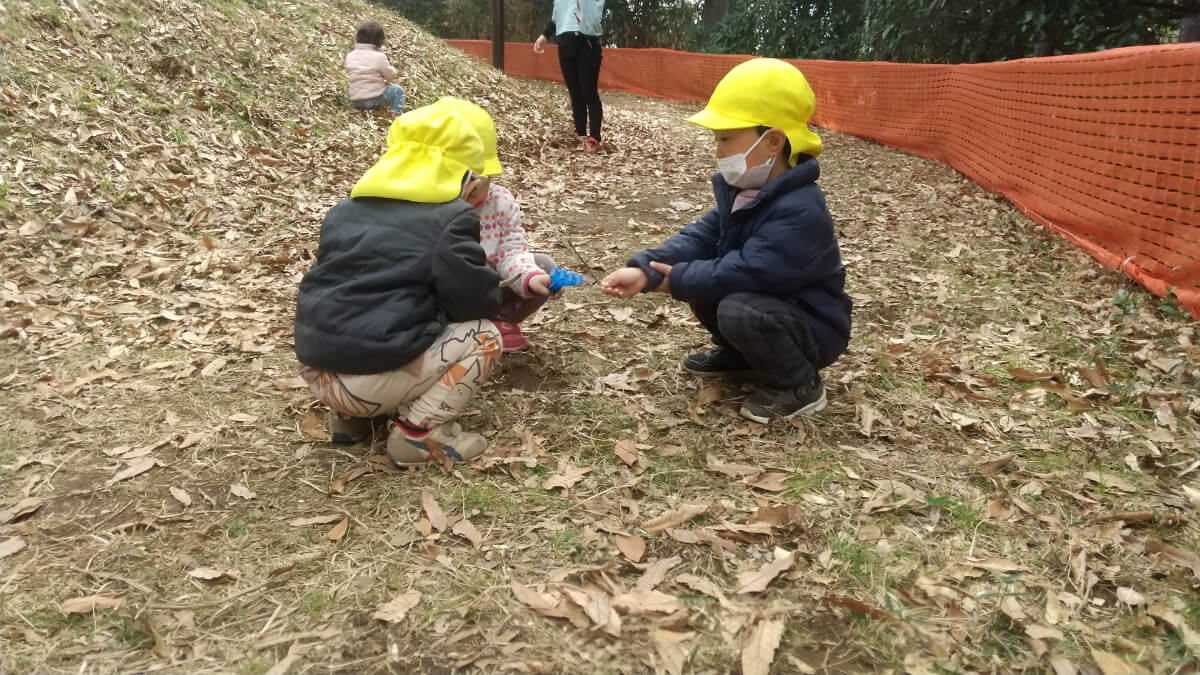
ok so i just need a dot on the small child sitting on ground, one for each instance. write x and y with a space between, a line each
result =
369 73
526 273
762 270
393 318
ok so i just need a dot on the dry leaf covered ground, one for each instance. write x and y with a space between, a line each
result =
1005 479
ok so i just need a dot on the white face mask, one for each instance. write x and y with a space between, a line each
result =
733 169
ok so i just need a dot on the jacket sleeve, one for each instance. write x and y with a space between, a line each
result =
466 288
513 256
548 31
780 259
386 69
697 241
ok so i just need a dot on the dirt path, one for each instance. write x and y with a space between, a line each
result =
1004 479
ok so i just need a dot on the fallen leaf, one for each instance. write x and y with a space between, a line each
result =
991 466
709 394
1189 637
671 649
619 381
1129 596
627 451
1063 666
758 649
634 547
11 545
771 482
213 367
90 604
313 426
866 419
465 529
315 520
1040 632
568 475
1022 375
1109 480
181 496
756 581
242 491
674 517
395 610
890 495
214 574
647 602
598 607
1013 609
23 508
776 515
138 466
705 586
338 486
730 469
656 572
338 531
1111 664
533 599
1055 612
437 519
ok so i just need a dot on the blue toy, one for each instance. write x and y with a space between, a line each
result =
560 279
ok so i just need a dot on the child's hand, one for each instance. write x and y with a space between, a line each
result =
539 45
625 282
665 270
541 286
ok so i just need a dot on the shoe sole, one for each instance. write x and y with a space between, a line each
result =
716 373
810 409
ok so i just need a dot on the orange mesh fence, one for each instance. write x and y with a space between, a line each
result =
1103 148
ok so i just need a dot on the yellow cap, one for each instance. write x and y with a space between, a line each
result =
482 122
430 150
764 92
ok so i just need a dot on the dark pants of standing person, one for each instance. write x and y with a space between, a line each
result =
579 57
771 334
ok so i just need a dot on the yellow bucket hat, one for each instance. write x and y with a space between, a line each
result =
482 122
764 92
430 149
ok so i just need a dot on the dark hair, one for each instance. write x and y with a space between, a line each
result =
370 33
787 145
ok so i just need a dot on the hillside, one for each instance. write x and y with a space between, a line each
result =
1003 481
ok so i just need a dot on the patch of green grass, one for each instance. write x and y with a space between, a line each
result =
960 514
130 633
316 602
238 528
857 560
491 500
565 541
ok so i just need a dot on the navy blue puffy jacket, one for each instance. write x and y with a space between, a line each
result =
782 244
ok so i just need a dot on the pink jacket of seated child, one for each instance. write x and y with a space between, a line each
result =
368 72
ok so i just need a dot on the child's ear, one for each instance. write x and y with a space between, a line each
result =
777 140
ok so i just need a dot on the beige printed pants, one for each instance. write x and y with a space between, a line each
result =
434 387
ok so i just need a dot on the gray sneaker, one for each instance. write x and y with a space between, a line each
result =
767 403
717 362
447 440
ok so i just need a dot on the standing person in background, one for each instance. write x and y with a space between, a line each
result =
577 26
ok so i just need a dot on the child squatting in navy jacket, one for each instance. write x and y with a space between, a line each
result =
761 271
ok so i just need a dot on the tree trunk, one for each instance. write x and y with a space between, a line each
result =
713 11
1189 29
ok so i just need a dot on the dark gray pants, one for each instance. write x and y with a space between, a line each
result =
773 336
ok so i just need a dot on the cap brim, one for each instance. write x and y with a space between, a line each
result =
711 120
491 167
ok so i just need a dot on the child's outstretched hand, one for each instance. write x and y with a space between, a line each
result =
540 285
624 283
